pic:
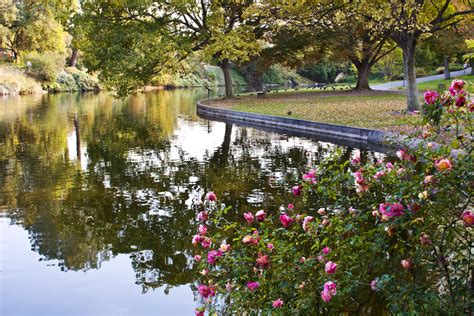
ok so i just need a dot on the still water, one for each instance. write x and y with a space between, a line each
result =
96 218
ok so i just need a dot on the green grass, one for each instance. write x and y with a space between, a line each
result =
433 85
381 110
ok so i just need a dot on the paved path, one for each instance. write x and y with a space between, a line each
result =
393 84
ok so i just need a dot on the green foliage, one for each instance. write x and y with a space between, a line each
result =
324 71
46 66
399 231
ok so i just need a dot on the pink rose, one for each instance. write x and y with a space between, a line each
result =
457 85
325 222
330 267
248 217
326 250
270 246
374 285
468 217
247 239
202 229
197 257
296 190
391 209
291 206
322 211
389 165
196 239
203 216
326 296
286 220
460 101
431 97
252 286
224 247
260 215
443 164
212 256
355 160
330 287
306 221
406 264
205 242
211 196
263 260
277 303
206 291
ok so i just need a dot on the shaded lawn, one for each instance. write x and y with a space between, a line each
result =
371 109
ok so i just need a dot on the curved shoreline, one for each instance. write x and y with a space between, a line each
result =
339 134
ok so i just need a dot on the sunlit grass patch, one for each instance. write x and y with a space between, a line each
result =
371 109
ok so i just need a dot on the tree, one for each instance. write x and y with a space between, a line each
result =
32 25
160 34
409 20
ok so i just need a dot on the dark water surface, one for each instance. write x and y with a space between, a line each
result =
97 219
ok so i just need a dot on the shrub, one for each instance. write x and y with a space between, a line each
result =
66 82
357 237
13 81
84 81
46 66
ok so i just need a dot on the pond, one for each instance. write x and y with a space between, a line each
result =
97 195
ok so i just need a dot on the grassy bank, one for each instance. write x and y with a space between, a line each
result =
436 84
371 109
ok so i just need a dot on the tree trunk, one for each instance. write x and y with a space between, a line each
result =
447 74
472 66
363 70
409 61
225 66
74 57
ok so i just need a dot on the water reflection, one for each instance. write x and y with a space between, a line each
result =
122 180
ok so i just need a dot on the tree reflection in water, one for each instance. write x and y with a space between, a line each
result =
130 185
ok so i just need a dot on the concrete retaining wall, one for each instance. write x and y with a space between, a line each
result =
339 134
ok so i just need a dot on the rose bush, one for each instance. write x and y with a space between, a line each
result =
378 236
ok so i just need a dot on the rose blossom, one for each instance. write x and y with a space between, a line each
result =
196 239
330 267
468 217
203 216
277 303
260 215
296 190
443 164
211 196
391 209
286 220
326 296
205 291
431 97
406 264
252 286
205 242
212 256
291 206
322 211
326 250
270 246
263 261
330 287
224 247
197 257
460 101
457 85
248 217
202 230
374 284
306 222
